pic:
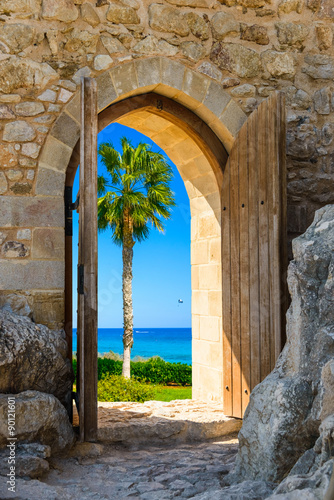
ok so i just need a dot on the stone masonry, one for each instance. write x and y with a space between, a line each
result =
220 59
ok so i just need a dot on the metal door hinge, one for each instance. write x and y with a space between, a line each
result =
69 207
80 279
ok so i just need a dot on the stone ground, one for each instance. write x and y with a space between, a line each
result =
117 472
159 422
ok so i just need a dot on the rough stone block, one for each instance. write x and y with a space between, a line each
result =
49 308
216 99
172 73
233 118
200 302
66 130
50 182
31 274
195 85
106 92
148 71
210 277
48 243
23 211
206 353
124 78
55 154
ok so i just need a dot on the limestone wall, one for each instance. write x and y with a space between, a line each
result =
243 48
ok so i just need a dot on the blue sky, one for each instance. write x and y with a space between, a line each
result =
161 264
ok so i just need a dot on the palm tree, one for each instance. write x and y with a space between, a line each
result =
136 194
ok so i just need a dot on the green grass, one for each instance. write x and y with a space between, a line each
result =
166 393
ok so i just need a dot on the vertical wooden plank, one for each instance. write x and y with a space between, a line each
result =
235 282
281 137
244 268
254 284
88 258
274 217
226 291
264 240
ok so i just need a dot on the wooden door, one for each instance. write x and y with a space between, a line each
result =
87 265
254 258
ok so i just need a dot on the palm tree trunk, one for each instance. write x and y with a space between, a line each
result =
127 255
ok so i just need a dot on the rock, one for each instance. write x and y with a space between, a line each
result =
164 18
14 249
24 234
230 82
324 36
59 10
223 24
193 51
319 66
254 33
25 7
322 99
245 90
102 62
198 26
252 4
210 70
308 487
252 490
30 459
14 175
119 13
48 96
287 6
314 5
302 100
81 42
85 71
32 356
190 3
29 108
3 183
279 64
249 105
291 34
151 45
265 12
89 14
326 9
31 149
8 157
282 419
158 422
40 418
10 98
236 58
113 45
17 36
19 130
6 113
21 188
17 72
64 96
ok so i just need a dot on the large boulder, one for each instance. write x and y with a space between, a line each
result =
35 417
285 410
33 357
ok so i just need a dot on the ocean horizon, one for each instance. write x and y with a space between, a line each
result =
171 344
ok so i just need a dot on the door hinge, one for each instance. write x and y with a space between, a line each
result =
80 279
69 207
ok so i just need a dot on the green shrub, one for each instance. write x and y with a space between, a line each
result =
118 388
155 370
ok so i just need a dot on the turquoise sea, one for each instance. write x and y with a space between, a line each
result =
171 344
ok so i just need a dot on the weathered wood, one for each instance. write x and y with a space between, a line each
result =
87 301
254 253
244 269
226 290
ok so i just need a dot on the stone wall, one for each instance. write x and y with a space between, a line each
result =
246 48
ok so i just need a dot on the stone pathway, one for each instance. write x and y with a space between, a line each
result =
158 422
117 472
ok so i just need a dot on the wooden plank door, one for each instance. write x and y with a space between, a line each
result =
254 257
87 264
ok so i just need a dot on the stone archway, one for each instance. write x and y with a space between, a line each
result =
200 162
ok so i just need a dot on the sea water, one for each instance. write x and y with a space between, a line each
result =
171 344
